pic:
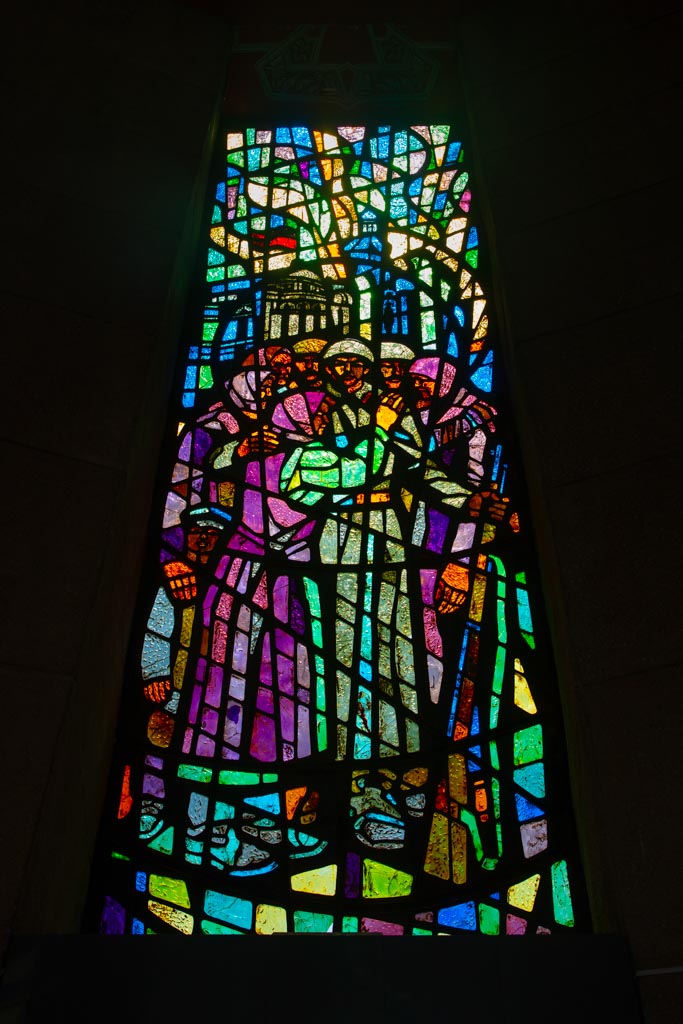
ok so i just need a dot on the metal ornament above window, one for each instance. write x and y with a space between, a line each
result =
389 66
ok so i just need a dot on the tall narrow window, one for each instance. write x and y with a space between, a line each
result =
342 714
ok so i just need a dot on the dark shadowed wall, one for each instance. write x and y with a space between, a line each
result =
575 109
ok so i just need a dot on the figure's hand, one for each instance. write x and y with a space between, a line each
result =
490 505
322 416
389 409
451 588
262 440
182 581
157 691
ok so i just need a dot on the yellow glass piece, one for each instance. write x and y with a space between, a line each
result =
281 261
322 881
218 236
459 852
186 627
451 263
179 669
436 860
415 776
482 328
177 919
523 698
381 880
270 919
523 894
173 889
477 599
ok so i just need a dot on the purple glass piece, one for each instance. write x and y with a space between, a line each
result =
113 921
205 746
285 674
352 884
263 739
438 524
264 699
287 718
284 642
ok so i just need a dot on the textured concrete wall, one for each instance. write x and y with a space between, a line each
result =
577 108
110 106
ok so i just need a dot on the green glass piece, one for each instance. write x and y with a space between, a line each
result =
469 820
489 919
306 921
205 377
528 745
212 928
236 778
194 772
163 842
381 880
562 901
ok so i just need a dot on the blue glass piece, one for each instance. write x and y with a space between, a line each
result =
453 152
531 778
526 810
269 802
162 616
483 377
463 915
302 137
228 908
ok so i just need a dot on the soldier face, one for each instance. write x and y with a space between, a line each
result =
348 372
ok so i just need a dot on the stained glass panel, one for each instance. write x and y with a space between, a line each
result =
342 713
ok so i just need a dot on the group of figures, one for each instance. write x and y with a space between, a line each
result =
344 697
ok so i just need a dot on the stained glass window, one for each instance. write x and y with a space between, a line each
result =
341 713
